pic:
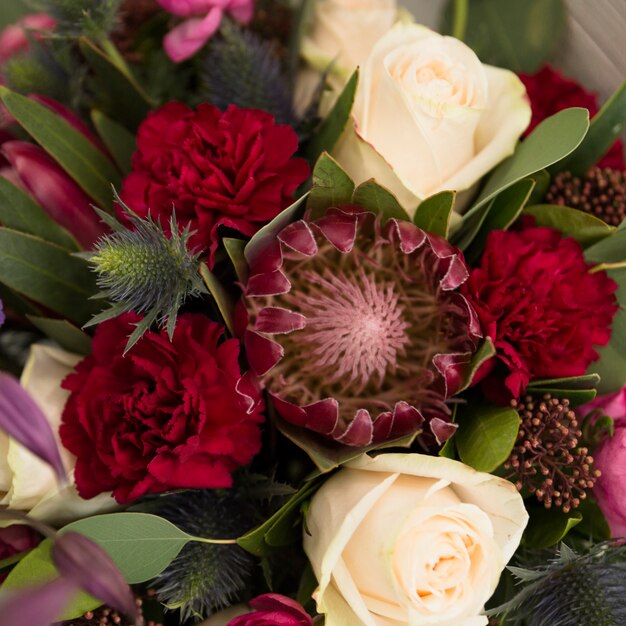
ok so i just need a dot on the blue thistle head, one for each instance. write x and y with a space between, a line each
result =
573 589
145 271
205 578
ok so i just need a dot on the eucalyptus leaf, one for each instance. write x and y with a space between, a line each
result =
16 302
331 186
548 526
47 274
120 96
520 37
486 435
83 162
120 142
584 227
374 197
552 140
68 336
330 130
433 213
577 389
609 249
604 129
19 211
593 524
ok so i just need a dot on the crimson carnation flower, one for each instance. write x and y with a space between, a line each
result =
541 306
357 329
167 415
550 92
233 169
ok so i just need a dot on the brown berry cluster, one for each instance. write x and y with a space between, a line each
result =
601 192
106 616
547 459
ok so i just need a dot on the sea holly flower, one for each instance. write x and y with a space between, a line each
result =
357 328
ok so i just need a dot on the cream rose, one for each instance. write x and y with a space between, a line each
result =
409 539
29 484
429 116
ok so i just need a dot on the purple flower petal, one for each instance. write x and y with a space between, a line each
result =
88 566
36 606
22 419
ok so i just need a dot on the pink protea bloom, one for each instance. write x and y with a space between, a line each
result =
203 20
356 328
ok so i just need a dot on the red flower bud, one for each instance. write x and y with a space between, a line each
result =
54 190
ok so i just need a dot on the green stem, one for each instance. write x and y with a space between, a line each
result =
459 19
219 542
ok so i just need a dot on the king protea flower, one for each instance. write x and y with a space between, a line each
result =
357 328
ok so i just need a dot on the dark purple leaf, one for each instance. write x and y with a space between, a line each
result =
22 419
85 563
36 606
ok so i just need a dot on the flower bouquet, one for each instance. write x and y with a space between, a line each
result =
310 314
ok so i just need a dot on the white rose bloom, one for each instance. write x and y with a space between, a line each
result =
429 116
28 483
410 540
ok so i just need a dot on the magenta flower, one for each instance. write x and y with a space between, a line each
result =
357 329
15 38
204 18
273 609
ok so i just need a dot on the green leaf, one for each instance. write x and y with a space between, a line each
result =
257 244
89 167
608 250
482 355
329 455
277 531
552 140
584 227
433 214
220 295
120 142
374 197
593 524
548 527
604 129
521 37
48 275
19 211
486 435
14 301
68 336
542 180
140 544
578 389
331 186
235 250
330 130
37 567
499 215
120 96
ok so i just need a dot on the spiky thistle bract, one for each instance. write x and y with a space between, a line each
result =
572 589
206 577
141 269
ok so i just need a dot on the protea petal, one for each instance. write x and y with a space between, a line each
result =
442 430
24 421
374 336
89 567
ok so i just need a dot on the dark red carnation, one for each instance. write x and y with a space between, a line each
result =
543 309
550 92
167 415
233 169
273 609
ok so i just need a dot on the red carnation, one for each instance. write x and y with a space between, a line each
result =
550 92
168 415
233 169
543 309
